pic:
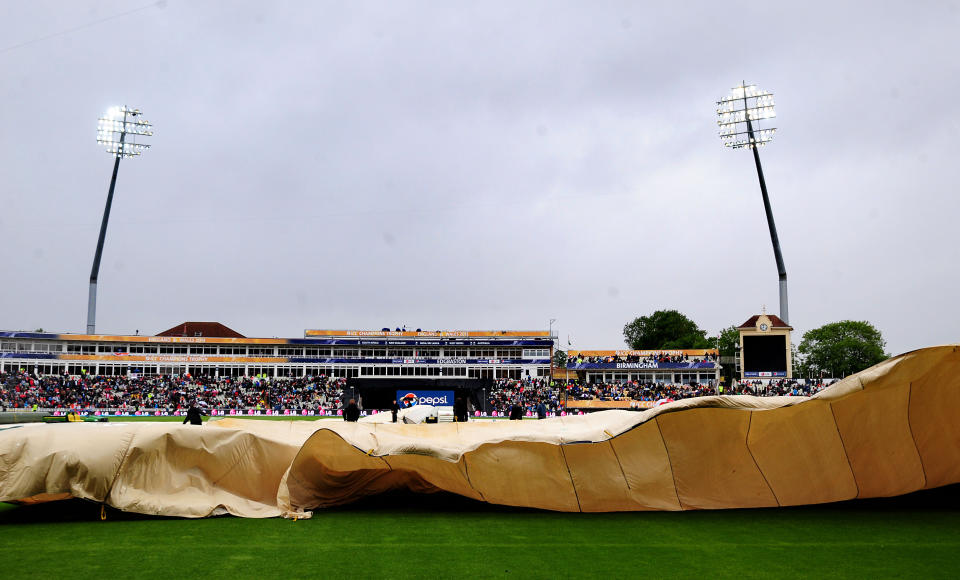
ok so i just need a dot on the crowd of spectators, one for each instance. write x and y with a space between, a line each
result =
636 391
168 393
177 393
555 396
527 393
652 359
781 387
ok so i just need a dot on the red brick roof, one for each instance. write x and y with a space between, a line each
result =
775 322
212 329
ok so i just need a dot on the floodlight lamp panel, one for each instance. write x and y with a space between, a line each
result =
741 115
118 128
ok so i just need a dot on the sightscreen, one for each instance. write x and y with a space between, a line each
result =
765 354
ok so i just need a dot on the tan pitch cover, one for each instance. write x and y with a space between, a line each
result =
889 430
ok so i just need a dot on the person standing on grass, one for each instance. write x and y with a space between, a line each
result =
351 412
394 408
460 410
193 415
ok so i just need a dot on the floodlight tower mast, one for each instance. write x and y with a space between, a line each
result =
117 129
737 113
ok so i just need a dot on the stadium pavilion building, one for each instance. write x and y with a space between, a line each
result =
684 366
212 349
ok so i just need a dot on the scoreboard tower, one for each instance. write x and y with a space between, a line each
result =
765 348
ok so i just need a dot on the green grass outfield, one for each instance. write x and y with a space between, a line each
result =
404 535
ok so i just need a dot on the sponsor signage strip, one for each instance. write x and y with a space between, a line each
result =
131 358
444 341
437 342
644 353
412 398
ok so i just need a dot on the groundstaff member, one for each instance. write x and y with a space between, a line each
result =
460 410
541 410
193 415
351 412
394 408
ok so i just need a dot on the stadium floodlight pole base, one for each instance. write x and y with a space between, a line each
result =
784 315
92 308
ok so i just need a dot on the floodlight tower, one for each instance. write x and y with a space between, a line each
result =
740 115
118 129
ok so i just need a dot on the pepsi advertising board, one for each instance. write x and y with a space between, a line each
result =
407 399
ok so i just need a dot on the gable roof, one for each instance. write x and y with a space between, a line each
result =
211 329
775 322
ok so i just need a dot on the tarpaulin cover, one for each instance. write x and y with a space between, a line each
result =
889 430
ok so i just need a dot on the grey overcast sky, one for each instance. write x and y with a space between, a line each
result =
483 165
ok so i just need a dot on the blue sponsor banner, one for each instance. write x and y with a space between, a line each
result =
641 365
42 335
764 374
32 355
304 341
411 398
421 361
